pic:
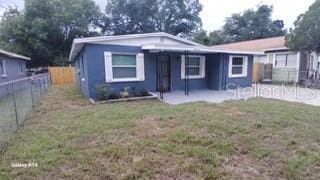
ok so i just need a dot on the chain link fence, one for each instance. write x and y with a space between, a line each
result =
17 99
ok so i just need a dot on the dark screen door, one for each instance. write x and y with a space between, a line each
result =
164 73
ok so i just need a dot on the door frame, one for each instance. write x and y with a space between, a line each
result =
169 56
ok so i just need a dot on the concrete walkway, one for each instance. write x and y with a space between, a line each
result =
287 93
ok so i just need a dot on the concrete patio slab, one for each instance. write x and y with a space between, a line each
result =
179 97
286 93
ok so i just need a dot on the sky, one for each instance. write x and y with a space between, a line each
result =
215 11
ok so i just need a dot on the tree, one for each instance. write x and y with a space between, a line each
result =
305 35
46 29
213 38
177 17
252 25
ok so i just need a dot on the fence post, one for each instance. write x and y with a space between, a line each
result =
15 104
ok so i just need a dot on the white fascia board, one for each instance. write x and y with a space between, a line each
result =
276 49
196 49
14 55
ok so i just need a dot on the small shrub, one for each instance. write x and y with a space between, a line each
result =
125 93
143 92
103 91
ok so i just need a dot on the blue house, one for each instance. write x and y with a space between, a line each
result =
157 62
12 66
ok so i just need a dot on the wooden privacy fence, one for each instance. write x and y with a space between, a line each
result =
62 75
256 73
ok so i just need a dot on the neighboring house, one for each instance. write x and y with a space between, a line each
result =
157 61
12 66
287 65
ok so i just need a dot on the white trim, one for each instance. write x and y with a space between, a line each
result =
191 46
14 55
194 49
4 68
244 67
202 67
78 43
140 74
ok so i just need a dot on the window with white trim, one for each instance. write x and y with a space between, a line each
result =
285 60
238 66
124 67
195 67
21 67
3 71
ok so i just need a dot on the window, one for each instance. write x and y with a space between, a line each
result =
3 72
195 66
123 67
238 66
285 60
82 66
21 67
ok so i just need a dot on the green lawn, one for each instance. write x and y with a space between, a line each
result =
256 139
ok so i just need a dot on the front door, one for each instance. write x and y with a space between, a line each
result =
163 73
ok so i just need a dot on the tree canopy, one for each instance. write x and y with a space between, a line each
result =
306 32
45 29
177 17
249 25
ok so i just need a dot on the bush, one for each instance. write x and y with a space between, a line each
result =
103 91
143 92
125 93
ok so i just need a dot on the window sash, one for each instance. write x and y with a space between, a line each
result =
193 66
235 68
3 71
116 67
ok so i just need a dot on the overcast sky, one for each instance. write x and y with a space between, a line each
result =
215 11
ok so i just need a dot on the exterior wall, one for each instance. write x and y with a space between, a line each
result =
178 83
235 82
216 77
214 71
81 63
13 69
94 55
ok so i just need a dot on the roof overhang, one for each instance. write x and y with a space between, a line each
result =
194 49
78 43
13 55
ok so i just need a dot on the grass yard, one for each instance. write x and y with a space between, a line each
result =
256 139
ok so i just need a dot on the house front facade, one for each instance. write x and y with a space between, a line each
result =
157 62
287 65
12 66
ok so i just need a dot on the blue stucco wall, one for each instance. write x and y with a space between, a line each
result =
94 55
233 83
214 71
13 69
178 83
94 71
82 72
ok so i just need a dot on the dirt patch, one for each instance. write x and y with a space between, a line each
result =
148 126
241 165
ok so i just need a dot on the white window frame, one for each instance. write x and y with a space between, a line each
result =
244 67
140 76
202 67
4 69
20 68
286 54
